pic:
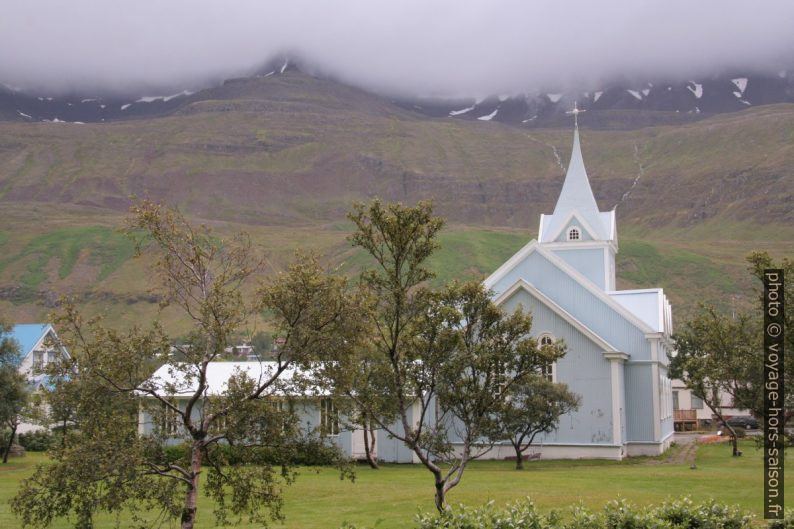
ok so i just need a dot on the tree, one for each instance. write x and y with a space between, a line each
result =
109 379
749 397
13 390
711 356
534 406
435 362
723 354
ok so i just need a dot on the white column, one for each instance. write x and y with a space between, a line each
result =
616 360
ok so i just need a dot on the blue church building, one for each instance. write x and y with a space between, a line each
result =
617 340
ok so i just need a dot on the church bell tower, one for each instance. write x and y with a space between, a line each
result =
577 231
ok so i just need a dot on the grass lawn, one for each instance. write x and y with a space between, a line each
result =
388 498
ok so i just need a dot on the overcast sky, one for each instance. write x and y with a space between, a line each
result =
447 47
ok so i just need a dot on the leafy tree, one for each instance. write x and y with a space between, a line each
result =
712 354
754 399
534 406
435 363
262 343
13 390
105 465
719 353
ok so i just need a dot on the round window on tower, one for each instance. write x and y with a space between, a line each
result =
573 234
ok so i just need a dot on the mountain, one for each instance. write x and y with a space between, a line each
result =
283 156
651 102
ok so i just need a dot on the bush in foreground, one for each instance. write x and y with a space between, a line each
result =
617 514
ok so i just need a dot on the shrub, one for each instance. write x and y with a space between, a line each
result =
618 514
685 514
787 522
518 515
312 452
36 441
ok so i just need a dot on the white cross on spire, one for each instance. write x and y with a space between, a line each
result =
576 111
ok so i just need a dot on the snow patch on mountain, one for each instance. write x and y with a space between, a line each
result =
462 111
634 93
697 90
741 83
554 97
489 117
150 99
597 95
24 115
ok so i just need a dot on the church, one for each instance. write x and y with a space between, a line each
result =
617 340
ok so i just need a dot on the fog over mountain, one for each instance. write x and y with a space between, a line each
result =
444 47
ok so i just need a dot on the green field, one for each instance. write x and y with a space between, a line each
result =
390 497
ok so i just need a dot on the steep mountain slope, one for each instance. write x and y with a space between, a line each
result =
283 156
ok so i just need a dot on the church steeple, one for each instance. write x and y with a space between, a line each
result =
576 203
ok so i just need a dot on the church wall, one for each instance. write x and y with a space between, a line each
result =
639 402
583 368
587 261
580 302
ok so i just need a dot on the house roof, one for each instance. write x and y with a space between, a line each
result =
218 375
28 335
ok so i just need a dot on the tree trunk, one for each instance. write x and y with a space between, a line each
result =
191 496
441 500
10 442
519 457
369 437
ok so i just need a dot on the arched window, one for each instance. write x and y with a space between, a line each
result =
573 234
547 371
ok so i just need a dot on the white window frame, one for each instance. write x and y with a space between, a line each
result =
551 374
578 233
329 418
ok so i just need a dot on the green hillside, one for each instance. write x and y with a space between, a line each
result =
284 157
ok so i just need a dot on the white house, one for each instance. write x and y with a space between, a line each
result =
38 345
690 412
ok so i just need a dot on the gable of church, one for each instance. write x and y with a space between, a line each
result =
559 282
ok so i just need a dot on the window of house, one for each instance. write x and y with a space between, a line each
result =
38 359
329 418
697 403
675 400
547 371
169 422
573 234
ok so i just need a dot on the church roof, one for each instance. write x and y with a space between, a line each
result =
576 199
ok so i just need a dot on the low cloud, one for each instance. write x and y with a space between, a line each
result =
443 47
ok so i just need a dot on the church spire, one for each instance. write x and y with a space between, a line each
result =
576 196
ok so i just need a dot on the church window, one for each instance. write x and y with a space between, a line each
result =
547 371
329 418
573 234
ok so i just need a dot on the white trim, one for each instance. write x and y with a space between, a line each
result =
615 362
581 327
540 226
533 246
575 214
657 419
563 245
